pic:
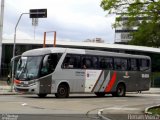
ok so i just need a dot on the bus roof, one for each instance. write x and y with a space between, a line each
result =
44 51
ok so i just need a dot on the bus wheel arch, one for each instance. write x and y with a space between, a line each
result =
63 90
120 90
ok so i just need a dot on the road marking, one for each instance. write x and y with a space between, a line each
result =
121 108
24 104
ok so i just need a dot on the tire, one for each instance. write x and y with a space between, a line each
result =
100 94
62 92
42 95
120 91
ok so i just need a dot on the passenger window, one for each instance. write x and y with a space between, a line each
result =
71 61
120 64
106 63
86 62
95 62
134 64
144 64
66 63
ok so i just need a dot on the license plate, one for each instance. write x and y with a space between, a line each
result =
25 82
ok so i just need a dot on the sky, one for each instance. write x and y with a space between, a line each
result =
73 20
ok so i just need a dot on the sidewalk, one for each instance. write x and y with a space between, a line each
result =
6 89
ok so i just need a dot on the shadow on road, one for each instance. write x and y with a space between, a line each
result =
82 96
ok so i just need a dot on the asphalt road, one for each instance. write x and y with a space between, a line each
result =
83 106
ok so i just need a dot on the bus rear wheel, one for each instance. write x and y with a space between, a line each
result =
100 94
42 95
62 92
120 91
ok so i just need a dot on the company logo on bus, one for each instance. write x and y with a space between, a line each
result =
126 75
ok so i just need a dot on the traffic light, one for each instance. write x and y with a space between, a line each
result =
38 13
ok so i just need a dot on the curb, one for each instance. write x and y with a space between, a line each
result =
149 113
6 90
146 112
9 94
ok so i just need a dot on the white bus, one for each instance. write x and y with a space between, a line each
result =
62 71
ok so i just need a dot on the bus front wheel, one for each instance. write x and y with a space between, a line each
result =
62 92
120 91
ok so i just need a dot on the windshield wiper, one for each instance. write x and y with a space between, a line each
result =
22 70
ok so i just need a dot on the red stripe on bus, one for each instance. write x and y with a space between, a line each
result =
111 82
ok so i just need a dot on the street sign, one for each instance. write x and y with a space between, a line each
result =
38 13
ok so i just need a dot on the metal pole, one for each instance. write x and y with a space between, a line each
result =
14 47
44 43
54 38
1 32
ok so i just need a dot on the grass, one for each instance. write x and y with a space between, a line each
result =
155 110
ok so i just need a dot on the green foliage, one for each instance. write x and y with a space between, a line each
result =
148 33
133 8
155 110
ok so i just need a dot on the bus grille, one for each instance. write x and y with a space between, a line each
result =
21 90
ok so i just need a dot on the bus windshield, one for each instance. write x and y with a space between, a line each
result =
28 68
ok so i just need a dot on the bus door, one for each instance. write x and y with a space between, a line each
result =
45 84
48 66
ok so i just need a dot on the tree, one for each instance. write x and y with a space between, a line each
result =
148 34
147 10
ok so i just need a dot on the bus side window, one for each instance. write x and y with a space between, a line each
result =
95 62
120 63
124 64
66 62
77 62
117 64
106 63
109 63
83 63
144 64
86 62
102 63
134 64
71 61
